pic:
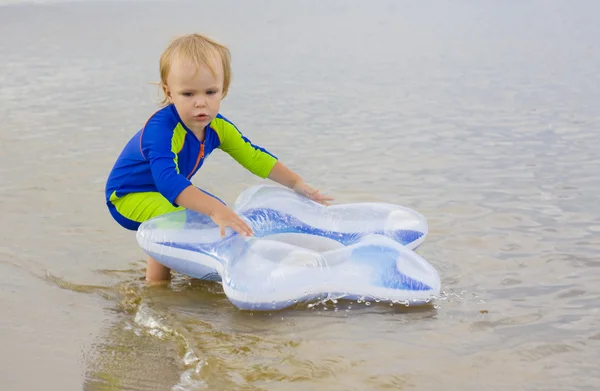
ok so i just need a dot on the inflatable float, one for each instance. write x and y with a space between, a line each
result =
300 251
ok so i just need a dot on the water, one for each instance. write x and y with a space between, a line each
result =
480 115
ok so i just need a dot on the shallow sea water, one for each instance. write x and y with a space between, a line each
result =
481 116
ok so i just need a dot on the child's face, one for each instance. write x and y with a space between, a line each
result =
195 92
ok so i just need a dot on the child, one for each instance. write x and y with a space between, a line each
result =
152 175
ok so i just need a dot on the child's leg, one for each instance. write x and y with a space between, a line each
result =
133 209
156 272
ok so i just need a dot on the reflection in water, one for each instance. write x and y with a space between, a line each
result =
191 335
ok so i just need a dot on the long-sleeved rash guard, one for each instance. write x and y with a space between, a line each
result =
164 155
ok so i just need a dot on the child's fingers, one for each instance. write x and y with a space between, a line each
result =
242 228
308 193
324 197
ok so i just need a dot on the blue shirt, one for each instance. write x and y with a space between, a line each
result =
165 154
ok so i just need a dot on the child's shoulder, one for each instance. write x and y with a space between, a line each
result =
162 119
224 121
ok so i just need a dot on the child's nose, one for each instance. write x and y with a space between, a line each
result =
200 102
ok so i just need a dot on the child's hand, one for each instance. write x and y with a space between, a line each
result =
302 188
225 217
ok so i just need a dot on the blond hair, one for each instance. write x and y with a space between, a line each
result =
201 51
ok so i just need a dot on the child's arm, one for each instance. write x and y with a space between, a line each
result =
159 146
286 177
259 161
192 198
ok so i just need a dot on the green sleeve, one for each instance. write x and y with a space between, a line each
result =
255 159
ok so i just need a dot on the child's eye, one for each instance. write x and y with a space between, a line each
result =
187 94
211 92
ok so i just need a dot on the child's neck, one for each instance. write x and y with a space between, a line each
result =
200 134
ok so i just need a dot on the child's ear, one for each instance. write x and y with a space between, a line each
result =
167 93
